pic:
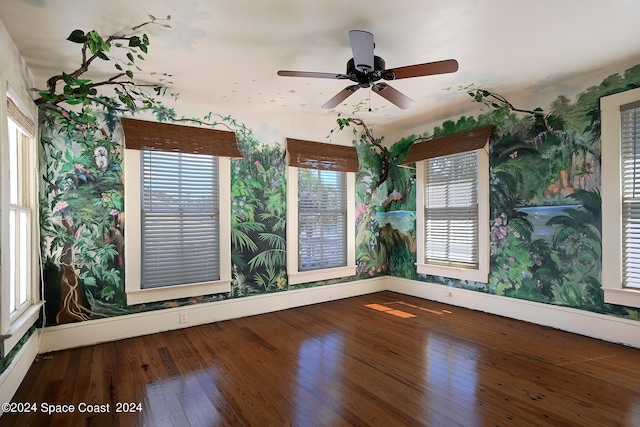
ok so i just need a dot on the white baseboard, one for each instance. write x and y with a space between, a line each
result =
120 327
595 325
605 327
14 374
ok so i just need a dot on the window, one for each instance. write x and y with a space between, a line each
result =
20 300
620 120
451 210
321 211
322 219
452 199
177 207
20 218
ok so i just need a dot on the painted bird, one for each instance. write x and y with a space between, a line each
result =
261 170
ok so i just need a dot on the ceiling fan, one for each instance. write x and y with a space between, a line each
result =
366 69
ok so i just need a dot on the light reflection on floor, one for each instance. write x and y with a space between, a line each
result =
159 399
451 369
318 367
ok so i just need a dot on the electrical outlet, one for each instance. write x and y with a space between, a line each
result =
183 317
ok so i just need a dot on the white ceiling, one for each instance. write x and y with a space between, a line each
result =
223 55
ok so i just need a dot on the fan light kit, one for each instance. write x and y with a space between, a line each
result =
366 69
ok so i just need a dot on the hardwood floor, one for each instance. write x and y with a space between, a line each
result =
383 359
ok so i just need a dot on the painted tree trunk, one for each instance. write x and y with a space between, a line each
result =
71 292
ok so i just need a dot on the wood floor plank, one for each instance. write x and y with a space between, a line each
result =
375 360
310 402
311 379
160 395
213 379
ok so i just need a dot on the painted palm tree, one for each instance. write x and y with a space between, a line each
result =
577 245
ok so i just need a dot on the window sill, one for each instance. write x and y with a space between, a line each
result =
626 297
324 274
20 326
166 293
454 272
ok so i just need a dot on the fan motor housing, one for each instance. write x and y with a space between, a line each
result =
366 79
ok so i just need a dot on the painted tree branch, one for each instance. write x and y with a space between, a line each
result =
496 101
84 91
377 143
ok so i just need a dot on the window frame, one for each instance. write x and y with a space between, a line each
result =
132 161
481 273
14 325
295 275
611 192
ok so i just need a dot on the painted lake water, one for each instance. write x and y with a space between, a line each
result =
539 215
404 221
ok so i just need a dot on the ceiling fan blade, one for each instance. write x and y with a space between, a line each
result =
392 95
428 69
341 96
362 47
312 74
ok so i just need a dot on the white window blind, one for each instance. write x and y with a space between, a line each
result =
180 219
322 219
630 129
451 210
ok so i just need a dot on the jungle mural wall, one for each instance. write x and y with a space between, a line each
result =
82 220
546 222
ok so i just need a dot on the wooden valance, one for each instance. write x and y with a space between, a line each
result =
318 155
156 136
21 118
460 142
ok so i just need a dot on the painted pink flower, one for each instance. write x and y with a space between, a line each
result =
360 209
511 259
114 212
60 206
505 266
